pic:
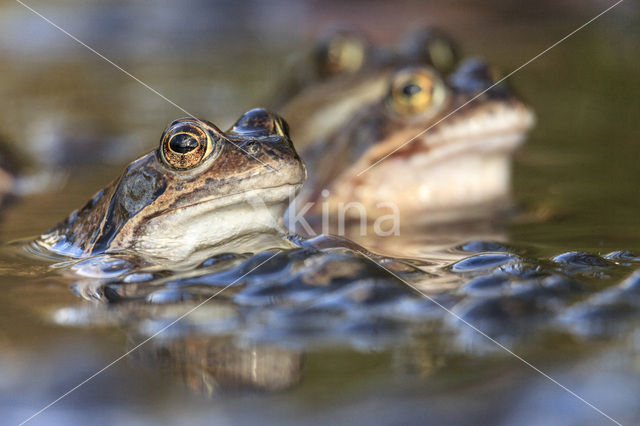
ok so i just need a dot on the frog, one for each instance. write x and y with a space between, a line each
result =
16 175
348 70
337 52
200 188
7 176
425 151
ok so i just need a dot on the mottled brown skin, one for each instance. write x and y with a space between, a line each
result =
254 154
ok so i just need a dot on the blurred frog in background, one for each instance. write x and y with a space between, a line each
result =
428 149
8 169
20 176
345 70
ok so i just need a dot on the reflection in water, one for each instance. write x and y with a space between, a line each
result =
210 364
311 297
422 240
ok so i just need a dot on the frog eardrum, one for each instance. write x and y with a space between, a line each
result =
416 91
185 144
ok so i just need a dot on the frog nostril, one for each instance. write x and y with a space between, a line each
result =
253 148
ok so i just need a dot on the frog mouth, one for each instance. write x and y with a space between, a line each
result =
488 143
489 130
492 129
464 161
268 195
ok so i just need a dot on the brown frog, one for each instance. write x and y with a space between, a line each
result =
426 150
13 168
7 178
201 188
348 71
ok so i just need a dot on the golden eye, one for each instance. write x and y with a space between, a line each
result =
442 54
343 52
416 91
185 145
426 45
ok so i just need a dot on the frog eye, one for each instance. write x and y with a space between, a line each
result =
430 46
416 91
260 122
344 51
442 53
185 145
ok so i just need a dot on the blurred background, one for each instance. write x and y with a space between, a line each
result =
65 107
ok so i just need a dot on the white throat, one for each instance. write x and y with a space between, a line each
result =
246 222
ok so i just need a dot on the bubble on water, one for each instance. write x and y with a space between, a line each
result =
483 262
